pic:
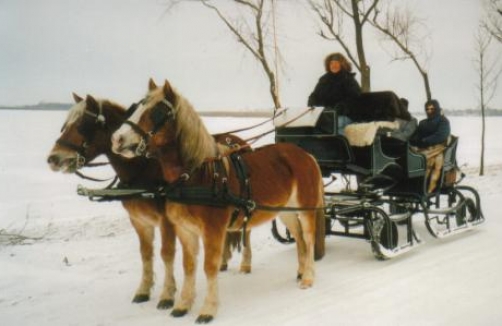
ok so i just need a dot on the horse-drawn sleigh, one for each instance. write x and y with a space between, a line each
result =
193 186
392 178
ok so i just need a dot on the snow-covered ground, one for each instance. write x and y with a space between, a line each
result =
79 263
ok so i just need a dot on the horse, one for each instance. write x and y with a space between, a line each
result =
282 178
85 135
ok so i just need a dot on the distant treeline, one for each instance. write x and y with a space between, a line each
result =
243 113
40 106
66 106
473 112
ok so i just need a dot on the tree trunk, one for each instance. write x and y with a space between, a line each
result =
365 69
482 97
427 86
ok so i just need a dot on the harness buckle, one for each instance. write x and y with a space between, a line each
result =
80 161
141 148
251 205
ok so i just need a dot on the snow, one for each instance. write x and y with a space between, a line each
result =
79 263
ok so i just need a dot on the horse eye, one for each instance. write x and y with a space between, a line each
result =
86 130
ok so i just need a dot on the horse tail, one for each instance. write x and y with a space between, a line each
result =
234 240
320 226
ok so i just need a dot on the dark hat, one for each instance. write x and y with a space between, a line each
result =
434 103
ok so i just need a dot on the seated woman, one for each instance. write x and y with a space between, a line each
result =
431 139
336 88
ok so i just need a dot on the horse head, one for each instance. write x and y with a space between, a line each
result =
165 124
148 127
85 133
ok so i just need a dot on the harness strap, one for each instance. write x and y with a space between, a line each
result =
189 195
137 129
83 176
244 193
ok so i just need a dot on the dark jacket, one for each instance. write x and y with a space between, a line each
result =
334 90
432 130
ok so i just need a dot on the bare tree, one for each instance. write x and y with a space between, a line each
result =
408 35
489 71
331 14
493 21
252 22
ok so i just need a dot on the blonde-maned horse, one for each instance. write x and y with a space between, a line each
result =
85 135
165 126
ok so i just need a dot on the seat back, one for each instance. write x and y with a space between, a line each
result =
377 106
450 154
332 152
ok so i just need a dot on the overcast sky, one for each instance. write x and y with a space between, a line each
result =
109 48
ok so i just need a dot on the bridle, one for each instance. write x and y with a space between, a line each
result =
87 135
161 113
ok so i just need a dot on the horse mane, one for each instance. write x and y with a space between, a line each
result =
114 112
78 110
74 113
194 141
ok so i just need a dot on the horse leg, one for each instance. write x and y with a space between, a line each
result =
246 254
293 224
213 239
308 229
190 247
146 235
167 253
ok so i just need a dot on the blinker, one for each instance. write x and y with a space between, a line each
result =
160 114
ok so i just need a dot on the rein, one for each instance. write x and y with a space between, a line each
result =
85 177
253 139
254 126
81 161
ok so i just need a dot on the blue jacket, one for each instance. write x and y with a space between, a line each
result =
433 130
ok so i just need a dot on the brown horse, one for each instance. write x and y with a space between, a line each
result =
85 135
166 126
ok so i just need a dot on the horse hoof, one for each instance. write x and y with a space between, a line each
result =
138 298
224 268
165 304
204 319
305 284
179 312
245 269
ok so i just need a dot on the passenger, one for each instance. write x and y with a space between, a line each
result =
430 139
336 88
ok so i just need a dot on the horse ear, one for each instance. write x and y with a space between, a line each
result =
77 98
91 102
151 85
168 90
